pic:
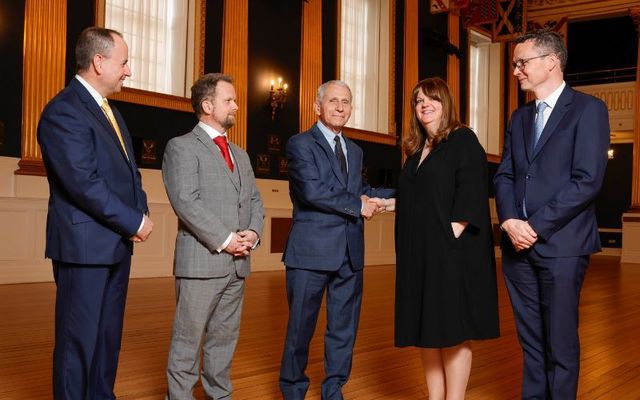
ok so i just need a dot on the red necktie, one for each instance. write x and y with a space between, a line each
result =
222 143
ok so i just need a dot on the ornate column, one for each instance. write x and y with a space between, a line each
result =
235 58
453 64
310 61
631 219
635 192
45 34
410 61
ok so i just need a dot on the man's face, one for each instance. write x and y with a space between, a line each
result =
220 113
334 109
535 67
114 68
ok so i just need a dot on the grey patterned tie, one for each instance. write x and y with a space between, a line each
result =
539 125
340 156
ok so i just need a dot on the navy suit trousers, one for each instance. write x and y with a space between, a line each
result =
90 302
305 289
545 293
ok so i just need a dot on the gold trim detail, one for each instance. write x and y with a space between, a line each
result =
147 98
453 64
577 9
235 59
368 136
410 75
393 130
635 182
45 34
310 61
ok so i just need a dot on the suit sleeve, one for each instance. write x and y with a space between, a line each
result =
180 176
308 187
471 192
257 208
587 172
68 151
504 182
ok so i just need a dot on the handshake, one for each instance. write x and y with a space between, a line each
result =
373 205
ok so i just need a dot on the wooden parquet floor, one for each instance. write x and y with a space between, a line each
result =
609 330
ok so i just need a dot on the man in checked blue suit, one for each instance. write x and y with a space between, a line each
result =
325 249
553 165
97 209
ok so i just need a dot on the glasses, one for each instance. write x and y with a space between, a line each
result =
520 64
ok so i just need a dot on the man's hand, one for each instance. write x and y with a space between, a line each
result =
520 233
368 208
144 232
237 246
249 238
383 205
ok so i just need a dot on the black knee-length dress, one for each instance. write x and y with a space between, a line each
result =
445 287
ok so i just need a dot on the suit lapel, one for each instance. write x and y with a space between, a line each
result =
528 124
331 156
204 138
354 161
562 105
97 112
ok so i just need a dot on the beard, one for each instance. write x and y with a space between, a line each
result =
228 122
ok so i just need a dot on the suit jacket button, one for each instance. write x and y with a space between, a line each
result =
239 205
528 176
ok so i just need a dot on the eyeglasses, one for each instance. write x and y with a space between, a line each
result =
520 64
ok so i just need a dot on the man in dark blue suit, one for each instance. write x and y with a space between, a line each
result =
553 165
97 209
325 249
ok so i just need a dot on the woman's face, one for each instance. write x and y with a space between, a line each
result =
428 112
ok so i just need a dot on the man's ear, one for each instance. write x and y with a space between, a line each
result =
316 107
96 62
207 107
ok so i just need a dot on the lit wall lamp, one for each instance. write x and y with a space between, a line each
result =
277 96
610 153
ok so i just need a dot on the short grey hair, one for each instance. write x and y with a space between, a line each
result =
94 40
324 86
547 41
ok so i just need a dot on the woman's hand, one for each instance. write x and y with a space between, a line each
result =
458 228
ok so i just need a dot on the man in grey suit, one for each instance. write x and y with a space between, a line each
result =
212 188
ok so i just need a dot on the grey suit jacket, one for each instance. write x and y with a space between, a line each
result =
210 202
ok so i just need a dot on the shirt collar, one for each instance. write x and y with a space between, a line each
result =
213 133
552 99
329 134
94 93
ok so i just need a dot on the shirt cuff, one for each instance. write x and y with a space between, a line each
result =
226 243
141 225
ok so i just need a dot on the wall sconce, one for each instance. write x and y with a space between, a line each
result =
277 96
610 153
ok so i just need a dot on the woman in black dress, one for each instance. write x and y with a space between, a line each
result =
445 267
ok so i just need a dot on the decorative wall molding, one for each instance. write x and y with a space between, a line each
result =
410 61
45 40
23 206
235 59
621 101
453 63
310 61
577 9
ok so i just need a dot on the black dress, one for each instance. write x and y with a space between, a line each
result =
445 287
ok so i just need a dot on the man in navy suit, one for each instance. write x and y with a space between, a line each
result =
97 209
325 249
553 165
